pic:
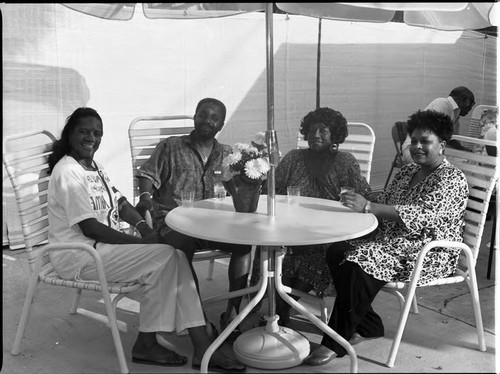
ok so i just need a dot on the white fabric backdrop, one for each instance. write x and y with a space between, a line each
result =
56 59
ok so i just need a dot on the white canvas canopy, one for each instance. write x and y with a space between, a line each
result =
56 59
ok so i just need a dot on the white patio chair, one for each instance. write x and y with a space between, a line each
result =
474 130
481 172
360 142
25 157
144 134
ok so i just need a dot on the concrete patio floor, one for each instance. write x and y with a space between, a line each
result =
441 338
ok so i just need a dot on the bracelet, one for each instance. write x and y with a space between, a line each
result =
137 224
146 192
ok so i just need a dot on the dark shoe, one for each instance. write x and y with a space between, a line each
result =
321 356
170 359
358 338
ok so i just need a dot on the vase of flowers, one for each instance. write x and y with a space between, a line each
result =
244 171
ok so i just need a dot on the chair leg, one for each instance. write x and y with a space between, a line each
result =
211 270
492 246
76 301
115 331
401 324
30 295
414 304
472 282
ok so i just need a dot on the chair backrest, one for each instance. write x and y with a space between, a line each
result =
146 132
474 129
482 175
25 157
399 132
360 142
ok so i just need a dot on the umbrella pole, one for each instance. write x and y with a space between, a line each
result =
318 66
271 138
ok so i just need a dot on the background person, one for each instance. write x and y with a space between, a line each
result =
426 201
458 104
85 207
192 162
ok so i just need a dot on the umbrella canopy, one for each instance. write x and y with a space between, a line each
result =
443 16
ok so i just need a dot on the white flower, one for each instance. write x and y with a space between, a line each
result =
242 147
231 159
252 169
260 137
247 159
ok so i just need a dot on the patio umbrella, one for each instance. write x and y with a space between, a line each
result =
443 16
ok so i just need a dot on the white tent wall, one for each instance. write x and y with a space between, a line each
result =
56 59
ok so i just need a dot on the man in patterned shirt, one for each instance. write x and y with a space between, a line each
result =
192 162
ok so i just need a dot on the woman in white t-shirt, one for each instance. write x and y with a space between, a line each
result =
85 207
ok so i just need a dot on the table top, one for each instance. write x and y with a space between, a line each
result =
306 222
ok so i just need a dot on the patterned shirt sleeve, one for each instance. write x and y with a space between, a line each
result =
157 165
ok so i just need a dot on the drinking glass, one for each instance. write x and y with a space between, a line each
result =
343 190
219 191
293 194
187 198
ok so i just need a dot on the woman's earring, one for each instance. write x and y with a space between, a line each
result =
334 148
440 151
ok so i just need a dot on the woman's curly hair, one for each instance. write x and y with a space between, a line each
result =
334 120
434 121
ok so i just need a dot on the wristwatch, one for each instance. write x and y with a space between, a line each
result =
368 207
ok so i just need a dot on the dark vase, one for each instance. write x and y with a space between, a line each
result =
245 193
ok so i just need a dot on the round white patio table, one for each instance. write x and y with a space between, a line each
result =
307 221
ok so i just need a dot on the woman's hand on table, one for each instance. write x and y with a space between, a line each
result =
353 201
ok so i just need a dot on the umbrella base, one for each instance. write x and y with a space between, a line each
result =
271 347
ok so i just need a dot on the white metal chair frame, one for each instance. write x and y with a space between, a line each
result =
21 162
361 144
143 141
482 175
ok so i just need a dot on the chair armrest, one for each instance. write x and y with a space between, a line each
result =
40 253
471 261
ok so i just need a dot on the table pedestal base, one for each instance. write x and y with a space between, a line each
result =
271 347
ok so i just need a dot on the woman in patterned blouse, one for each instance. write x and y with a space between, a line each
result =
319 171
425 201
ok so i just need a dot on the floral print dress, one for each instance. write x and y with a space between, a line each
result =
433 209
